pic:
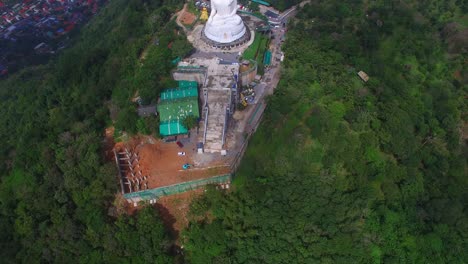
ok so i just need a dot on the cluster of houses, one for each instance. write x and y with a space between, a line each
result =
42 24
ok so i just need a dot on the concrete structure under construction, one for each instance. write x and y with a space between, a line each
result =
219 84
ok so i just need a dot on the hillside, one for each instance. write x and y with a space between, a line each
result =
57 189
344 171
340 170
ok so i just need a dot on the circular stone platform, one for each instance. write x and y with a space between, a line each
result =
226 46
198 40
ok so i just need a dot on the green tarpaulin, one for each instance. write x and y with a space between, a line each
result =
267 58
175 105
171 128
179 93
178 109
185 84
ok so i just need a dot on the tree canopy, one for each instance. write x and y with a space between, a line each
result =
339 171
343 171
56 187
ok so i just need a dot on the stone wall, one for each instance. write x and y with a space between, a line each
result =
248 76
197 75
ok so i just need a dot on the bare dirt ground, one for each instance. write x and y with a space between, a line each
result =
108 143
160 163
187 18
164 167
174 210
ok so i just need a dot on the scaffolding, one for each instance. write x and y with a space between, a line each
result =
130 174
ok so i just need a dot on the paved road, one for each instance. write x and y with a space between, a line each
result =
271 77
266 87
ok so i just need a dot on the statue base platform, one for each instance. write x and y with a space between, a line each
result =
201 44
227 46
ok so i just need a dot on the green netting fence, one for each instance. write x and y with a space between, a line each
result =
176 188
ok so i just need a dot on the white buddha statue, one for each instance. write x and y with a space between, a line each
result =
224 25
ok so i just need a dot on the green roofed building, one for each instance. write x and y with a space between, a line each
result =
178 109
179 93
186 84
175 105
170 128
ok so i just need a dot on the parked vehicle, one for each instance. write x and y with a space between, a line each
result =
181 153
180 144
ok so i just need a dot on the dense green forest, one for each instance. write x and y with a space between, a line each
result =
343 171
340 171
56 190
280 5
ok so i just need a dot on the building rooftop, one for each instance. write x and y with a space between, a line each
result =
179 93
187 84
178 109
171 128
175 105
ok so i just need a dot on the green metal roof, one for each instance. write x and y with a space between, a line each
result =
267 58
172 128
184 84
175 105
178 109
179 93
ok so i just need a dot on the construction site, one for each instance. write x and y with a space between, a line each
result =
150 169
187 159
223 92
208 89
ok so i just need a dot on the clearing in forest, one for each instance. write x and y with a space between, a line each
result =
174 210
187 18
161 164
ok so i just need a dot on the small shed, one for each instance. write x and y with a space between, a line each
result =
200 147
363 76
172 128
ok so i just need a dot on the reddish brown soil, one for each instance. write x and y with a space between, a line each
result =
464 131
164 167
457 75
161 164
108 144
174 210
187 18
